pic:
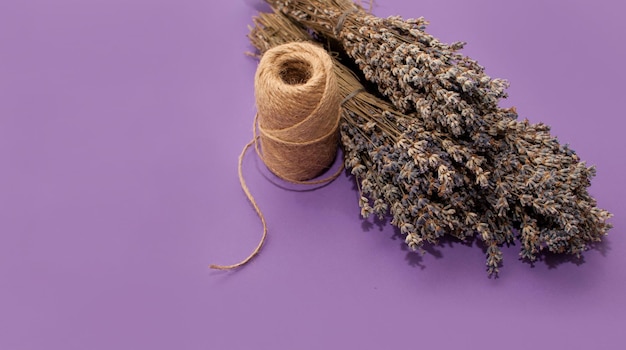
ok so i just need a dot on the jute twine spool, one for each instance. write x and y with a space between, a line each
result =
298 113
298 110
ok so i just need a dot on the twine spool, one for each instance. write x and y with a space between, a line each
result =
298 112
298 106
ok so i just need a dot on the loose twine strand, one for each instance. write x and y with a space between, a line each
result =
256 208
298 114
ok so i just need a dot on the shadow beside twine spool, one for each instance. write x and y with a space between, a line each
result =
298 106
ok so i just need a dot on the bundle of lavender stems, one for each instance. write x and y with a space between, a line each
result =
427 143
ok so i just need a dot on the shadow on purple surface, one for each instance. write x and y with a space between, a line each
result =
551 260
415 258
259 5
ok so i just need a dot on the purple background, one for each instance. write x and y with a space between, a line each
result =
120 126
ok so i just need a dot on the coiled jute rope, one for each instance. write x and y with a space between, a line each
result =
298 110
298 113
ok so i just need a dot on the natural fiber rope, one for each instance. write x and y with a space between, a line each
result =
298 104
298 110
324 180
256 208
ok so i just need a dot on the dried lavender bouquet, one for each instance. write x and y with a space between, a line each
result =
400 167
434 182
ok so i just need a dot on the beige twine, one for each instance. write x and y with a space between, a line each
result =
298 110
298 113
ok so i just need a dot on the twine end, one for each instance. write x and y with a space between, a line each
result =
220 267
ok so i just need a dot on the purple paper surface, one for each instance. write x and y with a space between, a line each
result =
120 127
